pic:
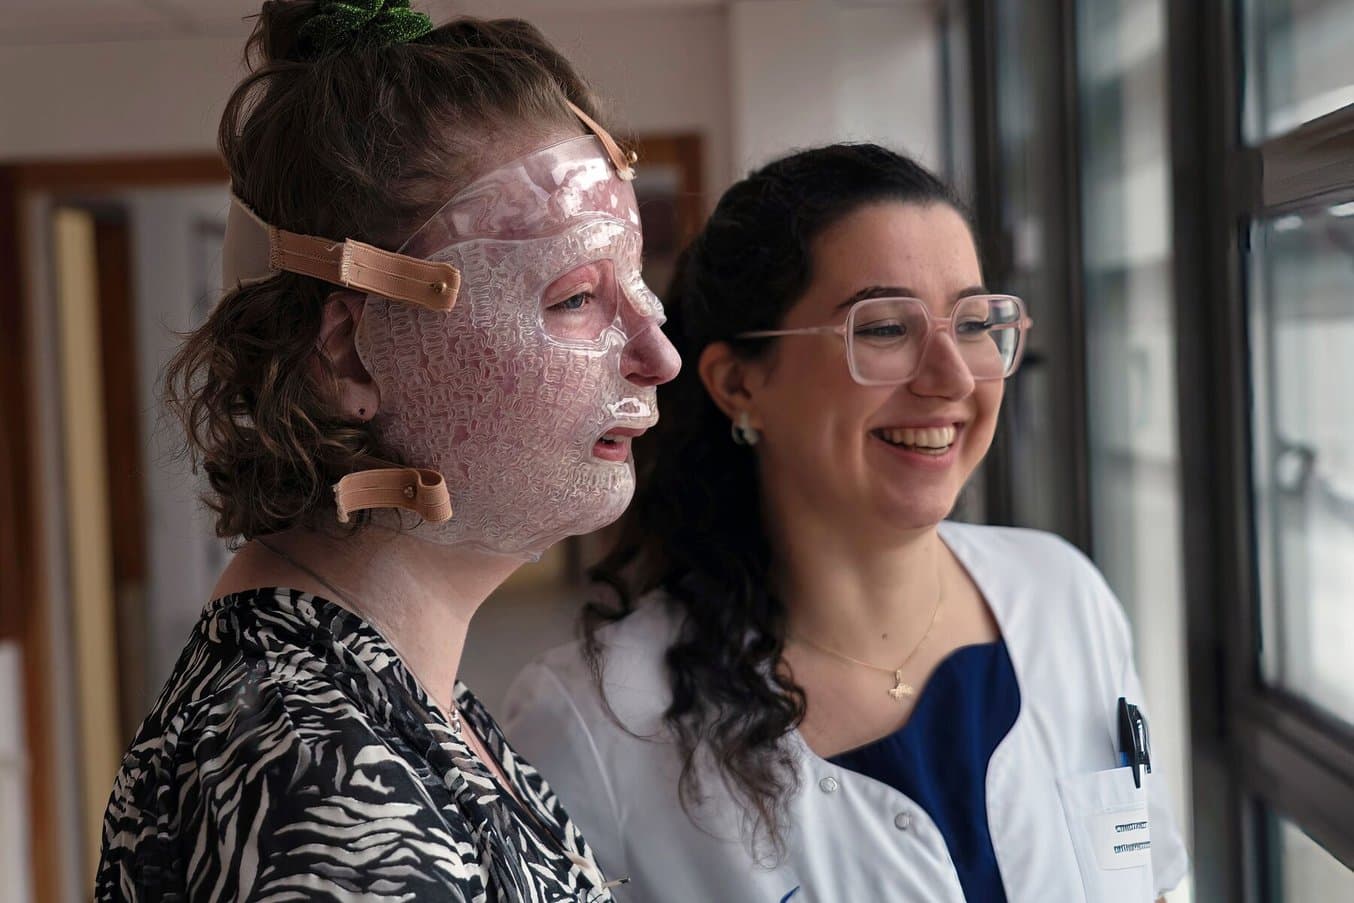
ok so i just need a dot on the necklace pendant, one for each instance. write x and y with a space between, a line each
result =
902 688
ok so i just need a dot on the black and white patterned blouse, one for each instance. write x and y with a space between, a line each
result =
292 756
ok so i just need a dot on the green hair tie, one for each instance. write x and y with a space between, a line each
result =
340 25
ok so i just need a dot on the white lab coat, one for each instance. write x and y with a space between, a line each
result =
1067 823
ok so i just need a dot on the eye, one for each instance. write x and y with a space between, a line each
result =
974 327
574 303
882 329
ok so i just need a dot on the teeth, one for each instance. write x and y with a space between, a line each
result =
930 437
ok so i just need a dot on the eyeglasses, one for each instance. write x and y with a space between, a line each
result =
886 338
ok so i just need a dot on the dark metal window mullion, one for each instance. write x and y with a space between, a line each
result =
1210 331
1063 318
1077 392
993 240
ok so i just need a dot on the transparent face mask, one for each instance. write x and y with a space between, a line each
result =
554 343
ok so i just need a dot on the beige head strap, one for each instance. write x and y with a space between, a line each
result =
623 162
255 251
423 492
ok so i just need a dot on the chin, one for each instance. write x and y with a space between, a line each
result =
914 513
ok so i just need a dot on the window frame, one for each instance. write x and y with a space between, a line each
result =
1254 747
1061 327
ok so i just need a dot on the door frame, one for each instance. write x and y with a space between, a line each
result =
25 594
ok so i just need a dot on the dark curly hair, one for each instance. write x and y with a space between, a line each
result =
363 142
695 529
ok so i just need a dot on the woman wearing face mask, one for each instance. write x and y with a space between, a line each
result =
433 353
815 688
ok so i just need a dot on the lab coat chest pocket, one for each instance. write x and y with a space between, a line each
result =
1107 819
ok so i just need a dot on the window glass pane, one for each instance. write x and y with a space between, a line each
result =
1035 428
1130 353
1303 871
1302 333
1299 65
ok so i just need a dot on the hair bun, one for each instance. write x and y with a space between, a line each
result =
339 25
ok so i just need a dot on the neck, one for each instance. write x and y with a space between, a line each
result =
419 595
858 594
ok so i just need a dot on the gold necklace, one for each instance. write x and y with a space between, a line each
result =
454 715
900 688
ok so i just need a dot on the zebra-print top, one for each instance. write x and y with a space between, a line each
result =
292 756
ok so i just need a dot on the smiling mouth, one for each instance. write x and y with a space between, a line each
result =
933 440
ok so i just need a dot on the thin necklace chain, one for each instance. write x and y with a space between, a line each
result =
340 596
901 688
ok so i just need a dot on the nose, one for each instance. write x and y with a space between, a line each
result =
648 358
942 372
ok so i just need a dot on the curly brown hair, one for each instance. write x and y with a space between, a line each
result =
364 143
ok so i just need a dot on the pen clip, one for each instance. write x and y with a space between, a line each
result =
1144 738
1135 743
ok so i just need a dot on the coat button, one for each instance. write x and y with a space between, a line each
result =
828 785
902 821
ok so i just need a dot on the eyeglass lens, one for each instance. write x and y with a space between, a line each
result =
886 337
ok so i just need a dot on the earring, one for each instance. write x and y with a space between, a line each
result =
743 432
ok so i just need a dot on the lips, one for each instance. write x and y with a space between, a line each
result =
614 444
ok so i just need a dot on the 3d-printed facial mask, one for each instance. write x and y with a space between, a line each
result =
509 395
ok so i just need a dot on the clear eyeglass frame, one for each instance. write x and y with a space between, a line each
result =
1021 324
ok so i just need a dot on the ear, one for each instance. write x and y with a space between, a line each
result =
733 382
358 397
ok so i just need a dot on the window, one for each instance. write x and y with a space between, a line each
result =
1262 114
1302 329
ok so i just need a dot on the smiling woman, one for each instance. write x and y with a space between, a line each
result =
809 667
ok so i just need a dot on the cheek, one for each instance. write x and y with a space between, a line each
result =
809 393
819 418
987 398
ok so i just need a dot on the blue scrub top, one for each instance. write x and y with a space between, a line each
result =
939 757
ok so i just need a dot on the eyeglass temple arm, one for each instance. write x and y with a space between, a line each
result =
1023 323
806 330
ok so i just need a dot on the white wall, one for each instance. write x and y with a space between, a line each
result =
806 72
662 70
174 282
756 78
117 98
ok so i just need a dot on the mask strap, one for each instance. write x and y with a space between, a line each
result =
623 162
421 491
255 251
